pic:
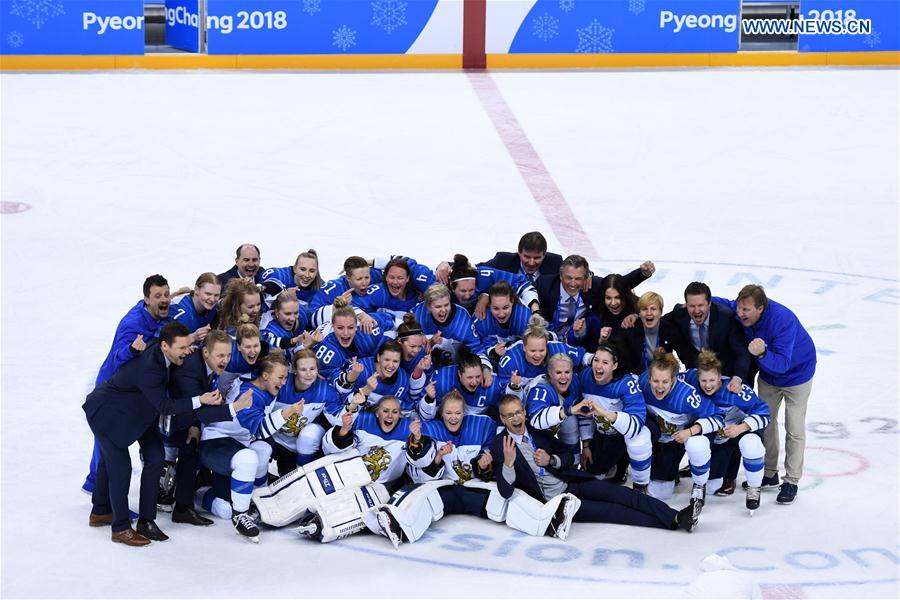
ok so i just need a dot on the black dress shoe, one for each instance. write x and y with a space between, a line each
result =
190 516
149 530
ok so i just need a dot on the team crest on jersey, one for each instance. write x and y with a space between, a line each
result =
377 461
602 424
463 470
294 425
665 426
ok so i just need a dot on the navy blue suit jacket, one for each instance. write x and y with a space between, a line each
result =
525 478
187 381
724 337
125 405
509 262
548 293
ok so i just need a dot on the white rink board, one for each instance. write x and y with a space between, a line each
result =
129 174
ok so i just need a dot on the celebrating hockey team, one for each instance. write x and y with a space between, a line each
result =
524 390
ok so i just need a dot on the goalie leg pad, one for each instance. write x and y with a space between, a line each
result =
496 505
531 516
288 498
413 509
341 514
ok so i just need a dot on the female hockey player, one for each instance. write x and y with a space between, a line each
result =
505 321
198 309
683 421
405 281
303 278
448 326
299 440
554 402
237 448
470 286
346 342
248 347
746 417
242 304
525 360
289 323
382 376
466 378
452 466
617 423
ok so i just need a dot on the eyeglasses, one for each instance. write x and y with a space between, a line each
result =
517 413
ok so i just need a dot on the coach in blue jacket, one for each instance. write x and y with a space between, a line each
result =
126 409
786 357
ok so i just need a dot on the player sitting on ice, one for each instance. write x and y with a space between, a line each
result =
453 466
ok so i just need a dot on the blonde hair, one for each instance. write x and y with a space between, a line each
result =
537 328
665 361
436 291
342 309
312 255
649 298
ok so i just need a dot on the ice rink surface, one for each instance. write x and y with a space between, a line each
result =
788 177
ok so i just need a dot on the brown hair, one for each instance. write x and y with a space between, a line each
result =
312 254
246 330
342 309
214 337
204 278
708 361
275 358
755 293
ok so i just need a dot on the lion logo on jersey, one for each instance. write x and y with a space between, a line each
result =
463 470
294 425
602 424
665 426
377 461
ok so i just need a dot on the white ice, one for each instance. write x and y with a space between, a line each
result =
784 176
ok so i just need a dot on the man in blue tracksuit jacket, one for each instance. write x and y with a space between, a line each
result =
786 357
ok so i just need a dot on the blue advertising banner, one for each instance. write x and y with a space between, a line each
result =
856 25
623 26
71 27
315 26
183 24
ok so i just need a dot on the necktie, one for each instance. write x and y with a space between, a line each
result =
212 382
570 310
703 338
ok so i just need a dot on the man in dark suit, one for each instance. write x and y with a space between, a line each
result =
126 409
567 301
537 463
246 264
198 375
704 324
532 259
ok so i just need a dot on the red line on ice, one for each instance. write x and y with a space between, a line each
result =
540 183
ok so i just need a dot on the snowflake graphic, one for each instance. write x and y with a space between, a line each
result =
636 7
595 38
873 39
14 39
388 14
545 27
343 37
311 7
36 12
566 5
